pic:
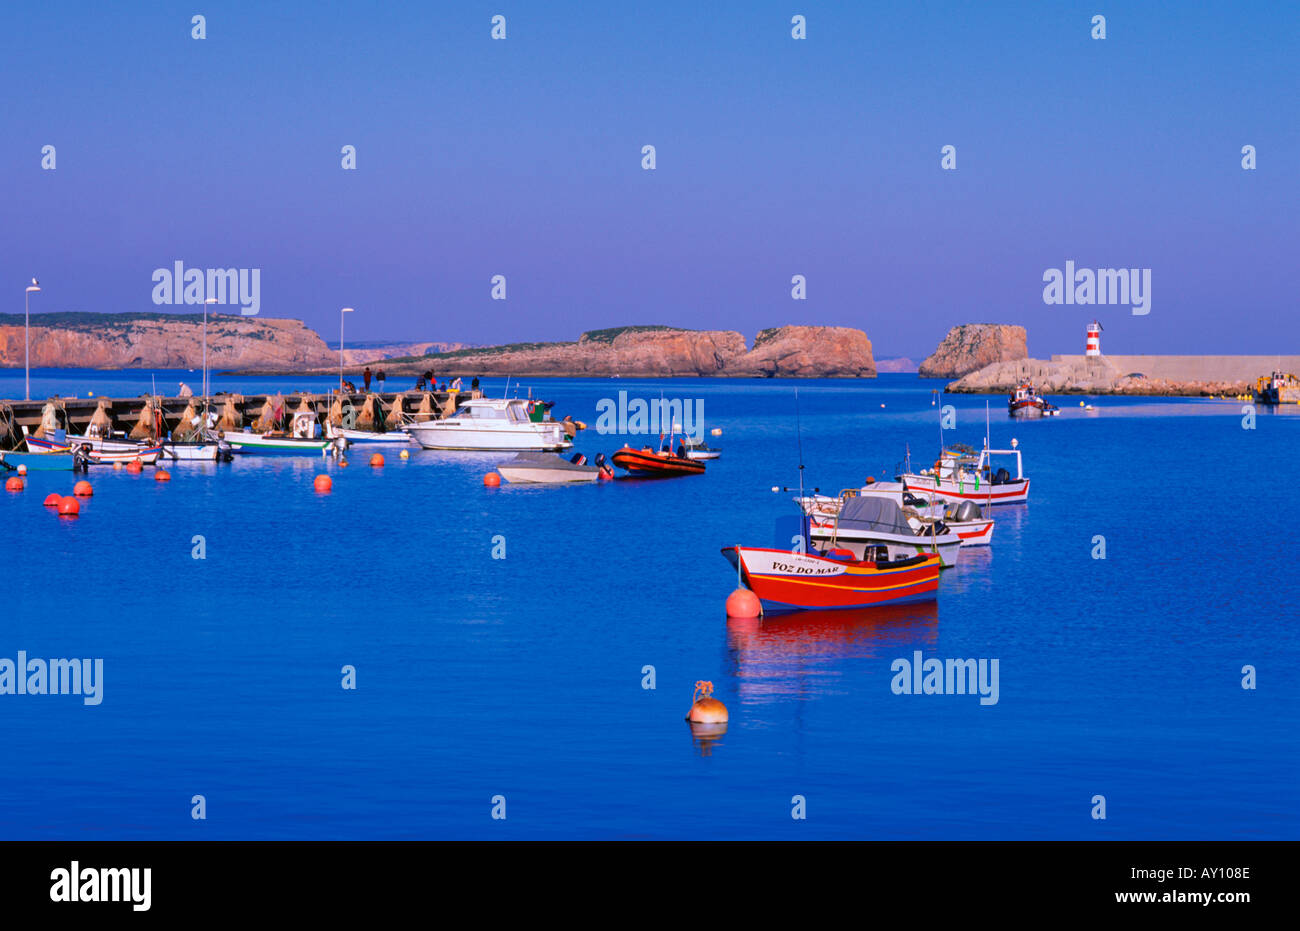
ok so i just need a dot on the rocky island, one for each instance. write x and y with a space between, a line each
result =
662 351
971 346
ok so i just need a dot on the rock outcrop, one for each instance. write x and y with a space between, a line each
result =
808 352
972 346
152 340
800 351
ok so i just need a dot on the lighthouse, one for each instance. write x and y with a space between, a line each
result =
1094 339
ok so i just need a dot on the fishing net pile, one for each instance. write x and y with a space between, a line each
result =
49 419
425 411
231 417
335 415
101 422
145 422
188 427
272 412
371 412
395 416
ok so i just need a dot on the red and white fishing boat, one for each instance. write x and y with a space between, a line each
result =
790 581
1026 402
961 475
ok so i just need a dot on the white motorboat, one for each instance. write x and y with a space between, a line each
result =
490 424
397 436
539 468
877 520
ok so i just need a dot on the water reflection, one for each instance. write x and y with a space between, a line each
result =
705 734
803 654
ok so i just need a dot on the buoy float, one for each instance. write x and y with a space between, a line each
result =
406 454
376 459
117 467
22 469
743 603
162 475
69 507
135 466
52 499
705 709
13 483
323 483
492 480
83 490
716 431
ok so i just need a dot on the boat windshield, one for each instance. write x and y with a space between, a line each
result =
479 412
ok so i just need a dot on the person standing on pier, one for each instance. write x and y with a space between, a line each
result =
380 378
365 377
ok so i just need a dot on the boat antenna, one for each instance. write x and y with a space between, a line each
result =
798 432
506 392
986 423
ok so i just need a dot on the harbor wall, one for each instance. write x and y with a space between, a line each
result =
1196 368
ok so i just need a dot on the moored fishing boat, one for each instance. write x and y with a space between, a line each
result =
146 453
874 521
646 463
922 511
789 581
960 474
1025 402
304 436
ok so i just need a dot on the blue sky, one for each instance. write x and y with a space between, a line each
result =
775 157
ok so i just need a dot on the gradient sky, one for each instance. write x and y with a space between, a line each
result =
775 157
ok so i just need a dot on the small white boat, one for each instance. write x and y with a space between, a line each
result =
490 424
698 449
304 437
539 468
396 436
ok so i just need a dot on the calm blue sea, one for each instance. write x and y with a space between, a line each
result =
523 677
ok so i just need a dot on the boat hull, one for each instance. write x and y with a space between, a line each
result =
1015 491
945 546
539 437
263 444
786 581
129 452
524 475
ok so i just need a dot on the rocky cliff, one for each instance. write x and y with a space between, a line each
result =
805 351
972 346
76 340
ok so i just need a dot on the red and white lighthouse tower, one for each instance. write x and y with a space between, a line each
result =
1094 339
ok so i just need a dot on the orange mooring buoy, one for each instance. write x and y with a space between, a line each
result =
13 483
492 480
22 469
705 709
323 483
743 603
69 506
52 499
376 459
162 475
134 466
82 489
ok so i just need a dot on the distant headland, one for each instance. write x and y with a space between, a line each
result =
980 357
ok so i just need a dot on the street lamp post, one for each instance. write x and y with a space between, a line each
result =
342 311
27 341
211 300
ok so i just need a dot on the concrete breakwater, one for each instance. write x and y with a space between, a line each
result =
1196 376
124 414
